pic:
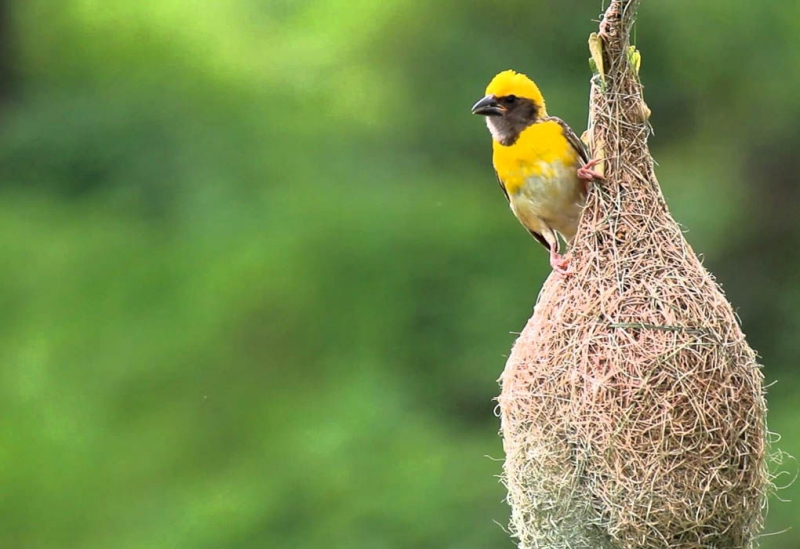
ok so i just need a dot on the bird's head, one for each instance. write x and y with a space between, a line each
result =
512 103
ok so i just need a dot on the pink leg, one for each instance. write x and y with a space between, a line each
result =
586 172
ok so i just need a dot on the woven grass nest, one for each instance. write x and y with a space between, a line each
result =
632 408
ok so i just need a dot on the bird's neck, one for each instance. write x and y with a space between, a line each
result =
505 131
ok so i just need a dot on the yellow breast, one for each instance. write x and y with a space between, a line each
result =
538 152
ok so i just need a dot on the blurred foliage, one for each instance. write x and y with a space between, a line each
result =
259 282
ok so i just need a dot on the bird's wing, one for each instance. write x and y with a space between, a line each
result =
573 138
502 186
542 240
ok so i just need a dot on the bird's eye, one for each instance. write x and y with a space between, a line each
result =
510 99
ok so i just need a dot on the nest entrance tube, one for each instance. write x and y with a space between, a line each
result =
632 408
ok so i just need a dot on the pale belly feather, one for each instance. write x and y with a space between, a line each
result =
551 200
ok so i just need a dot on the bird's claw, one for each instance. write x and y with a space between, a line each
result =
560 264
586 172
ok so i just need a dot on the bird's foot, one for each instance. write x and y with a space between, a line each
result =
586 172
559 263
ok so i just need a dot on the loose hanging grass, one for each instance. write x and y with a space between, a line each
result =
632 408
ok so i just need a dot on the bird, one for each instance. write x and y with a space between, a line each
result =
542 166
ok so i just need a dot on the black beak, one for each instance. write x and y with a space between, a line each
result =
488 106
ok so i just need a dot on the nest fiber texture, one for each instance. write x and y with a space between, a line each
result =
632 408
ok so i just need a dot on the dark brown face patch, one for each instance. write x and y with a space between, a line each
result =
520 113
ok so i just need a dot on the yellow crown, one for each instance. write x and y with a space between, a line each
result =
515 83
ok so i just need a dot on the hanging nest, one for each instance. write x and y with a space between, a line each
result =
632 408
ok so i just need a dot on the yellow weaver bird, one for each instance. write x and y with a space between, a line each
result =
542 166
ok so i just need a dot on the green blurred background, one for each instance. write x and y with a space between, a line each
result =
258 281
